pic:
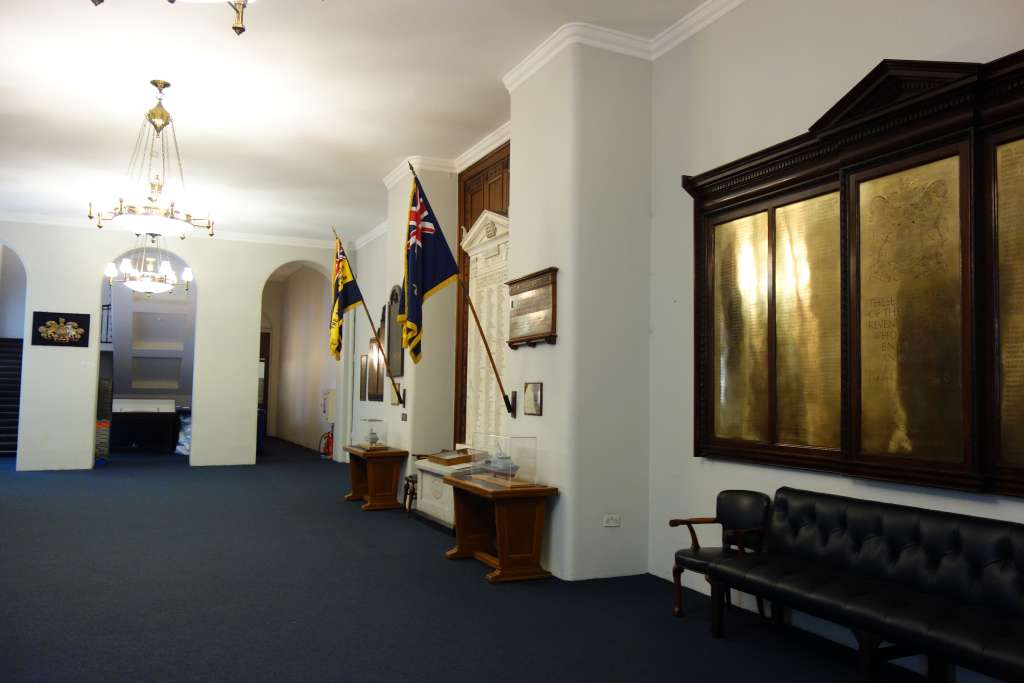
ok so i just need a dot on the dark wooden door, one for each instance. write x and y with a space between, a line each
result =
484 186
265 362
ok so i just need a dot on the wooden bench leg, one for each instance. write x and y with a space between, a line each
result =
677 574
869 659
718 591
939 670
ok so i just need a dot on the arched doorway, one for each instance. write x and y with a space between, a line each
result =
147 349
12 333
298 378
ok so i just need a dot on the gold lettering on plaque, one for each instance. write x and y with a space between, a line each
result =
1010 231
740 317
808 323
910 313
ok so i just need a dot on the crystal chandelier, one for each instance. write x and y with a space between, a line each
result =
151 172
147 269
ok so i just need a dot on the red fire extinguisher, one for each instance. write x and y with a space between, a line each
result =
327 444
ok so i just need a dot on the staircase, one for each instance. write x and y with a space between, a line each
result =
10 395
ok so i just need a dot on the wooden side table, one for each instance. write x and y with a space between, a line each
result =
375 475
500 526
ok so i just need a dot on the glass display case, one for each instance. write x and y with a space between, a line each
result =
503 460
371 434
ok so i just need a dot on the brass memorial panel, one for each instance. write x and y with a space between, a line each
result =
808 322
742 394
910 313
1010 216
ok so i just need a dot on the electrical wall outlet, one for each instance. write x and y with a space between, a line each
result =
612 520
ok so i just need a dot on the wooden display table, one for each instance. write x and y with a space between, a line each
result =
500 526
375 475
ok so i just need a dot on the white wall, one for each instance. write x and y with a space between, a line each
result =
580 201
273 292
761 74
59 384
306 370
12 295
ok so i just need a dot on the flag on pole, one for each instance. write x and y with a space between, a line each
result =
346 296
429 266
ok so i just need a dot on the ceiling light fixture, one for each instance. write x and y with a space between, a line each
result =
155 210
147 269
239 7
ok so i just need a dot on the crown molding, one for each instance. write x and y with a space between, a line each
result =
401 172
618 41
576 33
489 143
703 16
307 242
373 235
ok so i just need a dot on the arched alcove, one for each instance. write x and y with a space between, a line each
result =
147 352
296 370
13 283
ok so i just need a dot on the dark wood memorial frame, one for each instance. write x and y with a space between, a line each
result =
902 114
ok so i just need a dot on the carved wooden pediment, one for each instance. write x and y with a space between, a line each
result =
895 83
489 230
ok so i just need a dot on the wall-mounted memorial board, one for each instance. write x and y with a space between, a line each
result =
534 302
859 289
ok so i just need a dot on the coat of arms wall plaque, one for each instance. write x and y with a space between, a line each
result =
60 329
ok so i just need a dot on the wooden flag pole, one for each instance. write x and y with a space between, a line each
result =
376 337
510 403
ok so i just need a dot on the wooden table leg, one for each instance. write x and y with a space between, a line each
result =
474 525
519 524
357 475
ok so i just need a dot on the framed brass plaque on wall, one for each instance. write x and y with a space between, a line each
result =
879 330
1009 169
740 273
910 312
808 321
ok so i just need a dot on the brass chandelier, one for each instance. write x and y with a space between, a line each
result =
147 269
151 173
239 7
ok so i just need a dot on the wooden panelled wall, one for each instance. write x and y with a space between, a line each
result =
484 186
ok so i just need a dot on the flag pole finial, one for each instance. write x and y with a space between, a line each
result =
411 169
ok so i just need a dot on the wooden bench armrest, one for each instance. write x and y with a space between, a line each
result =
689 523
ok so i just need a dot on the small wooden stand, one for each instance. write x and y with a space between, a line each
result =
502 527
375 475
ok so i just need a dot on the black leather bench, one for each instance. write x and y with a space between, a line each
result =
944 585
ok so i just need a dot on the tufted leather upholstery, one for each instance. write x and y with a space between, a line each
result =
737 510
948 584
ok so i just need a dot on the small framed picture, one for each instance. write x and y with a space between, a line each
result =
533 395
362 377
60 329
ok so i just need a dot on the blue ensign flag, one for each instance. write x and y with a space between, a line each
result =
429 266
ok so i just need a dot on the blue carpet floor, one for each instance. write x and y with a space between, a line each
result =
148 570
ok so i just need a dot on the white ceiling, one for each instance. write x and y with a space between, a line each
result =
285 130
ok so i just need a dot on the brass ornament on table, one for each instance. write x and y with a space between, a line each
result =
808 322
910 313
1010 231
742 394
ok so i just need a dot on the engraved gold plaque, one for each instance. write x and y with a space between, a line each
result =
910 313
808 322
742 394
1010 231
